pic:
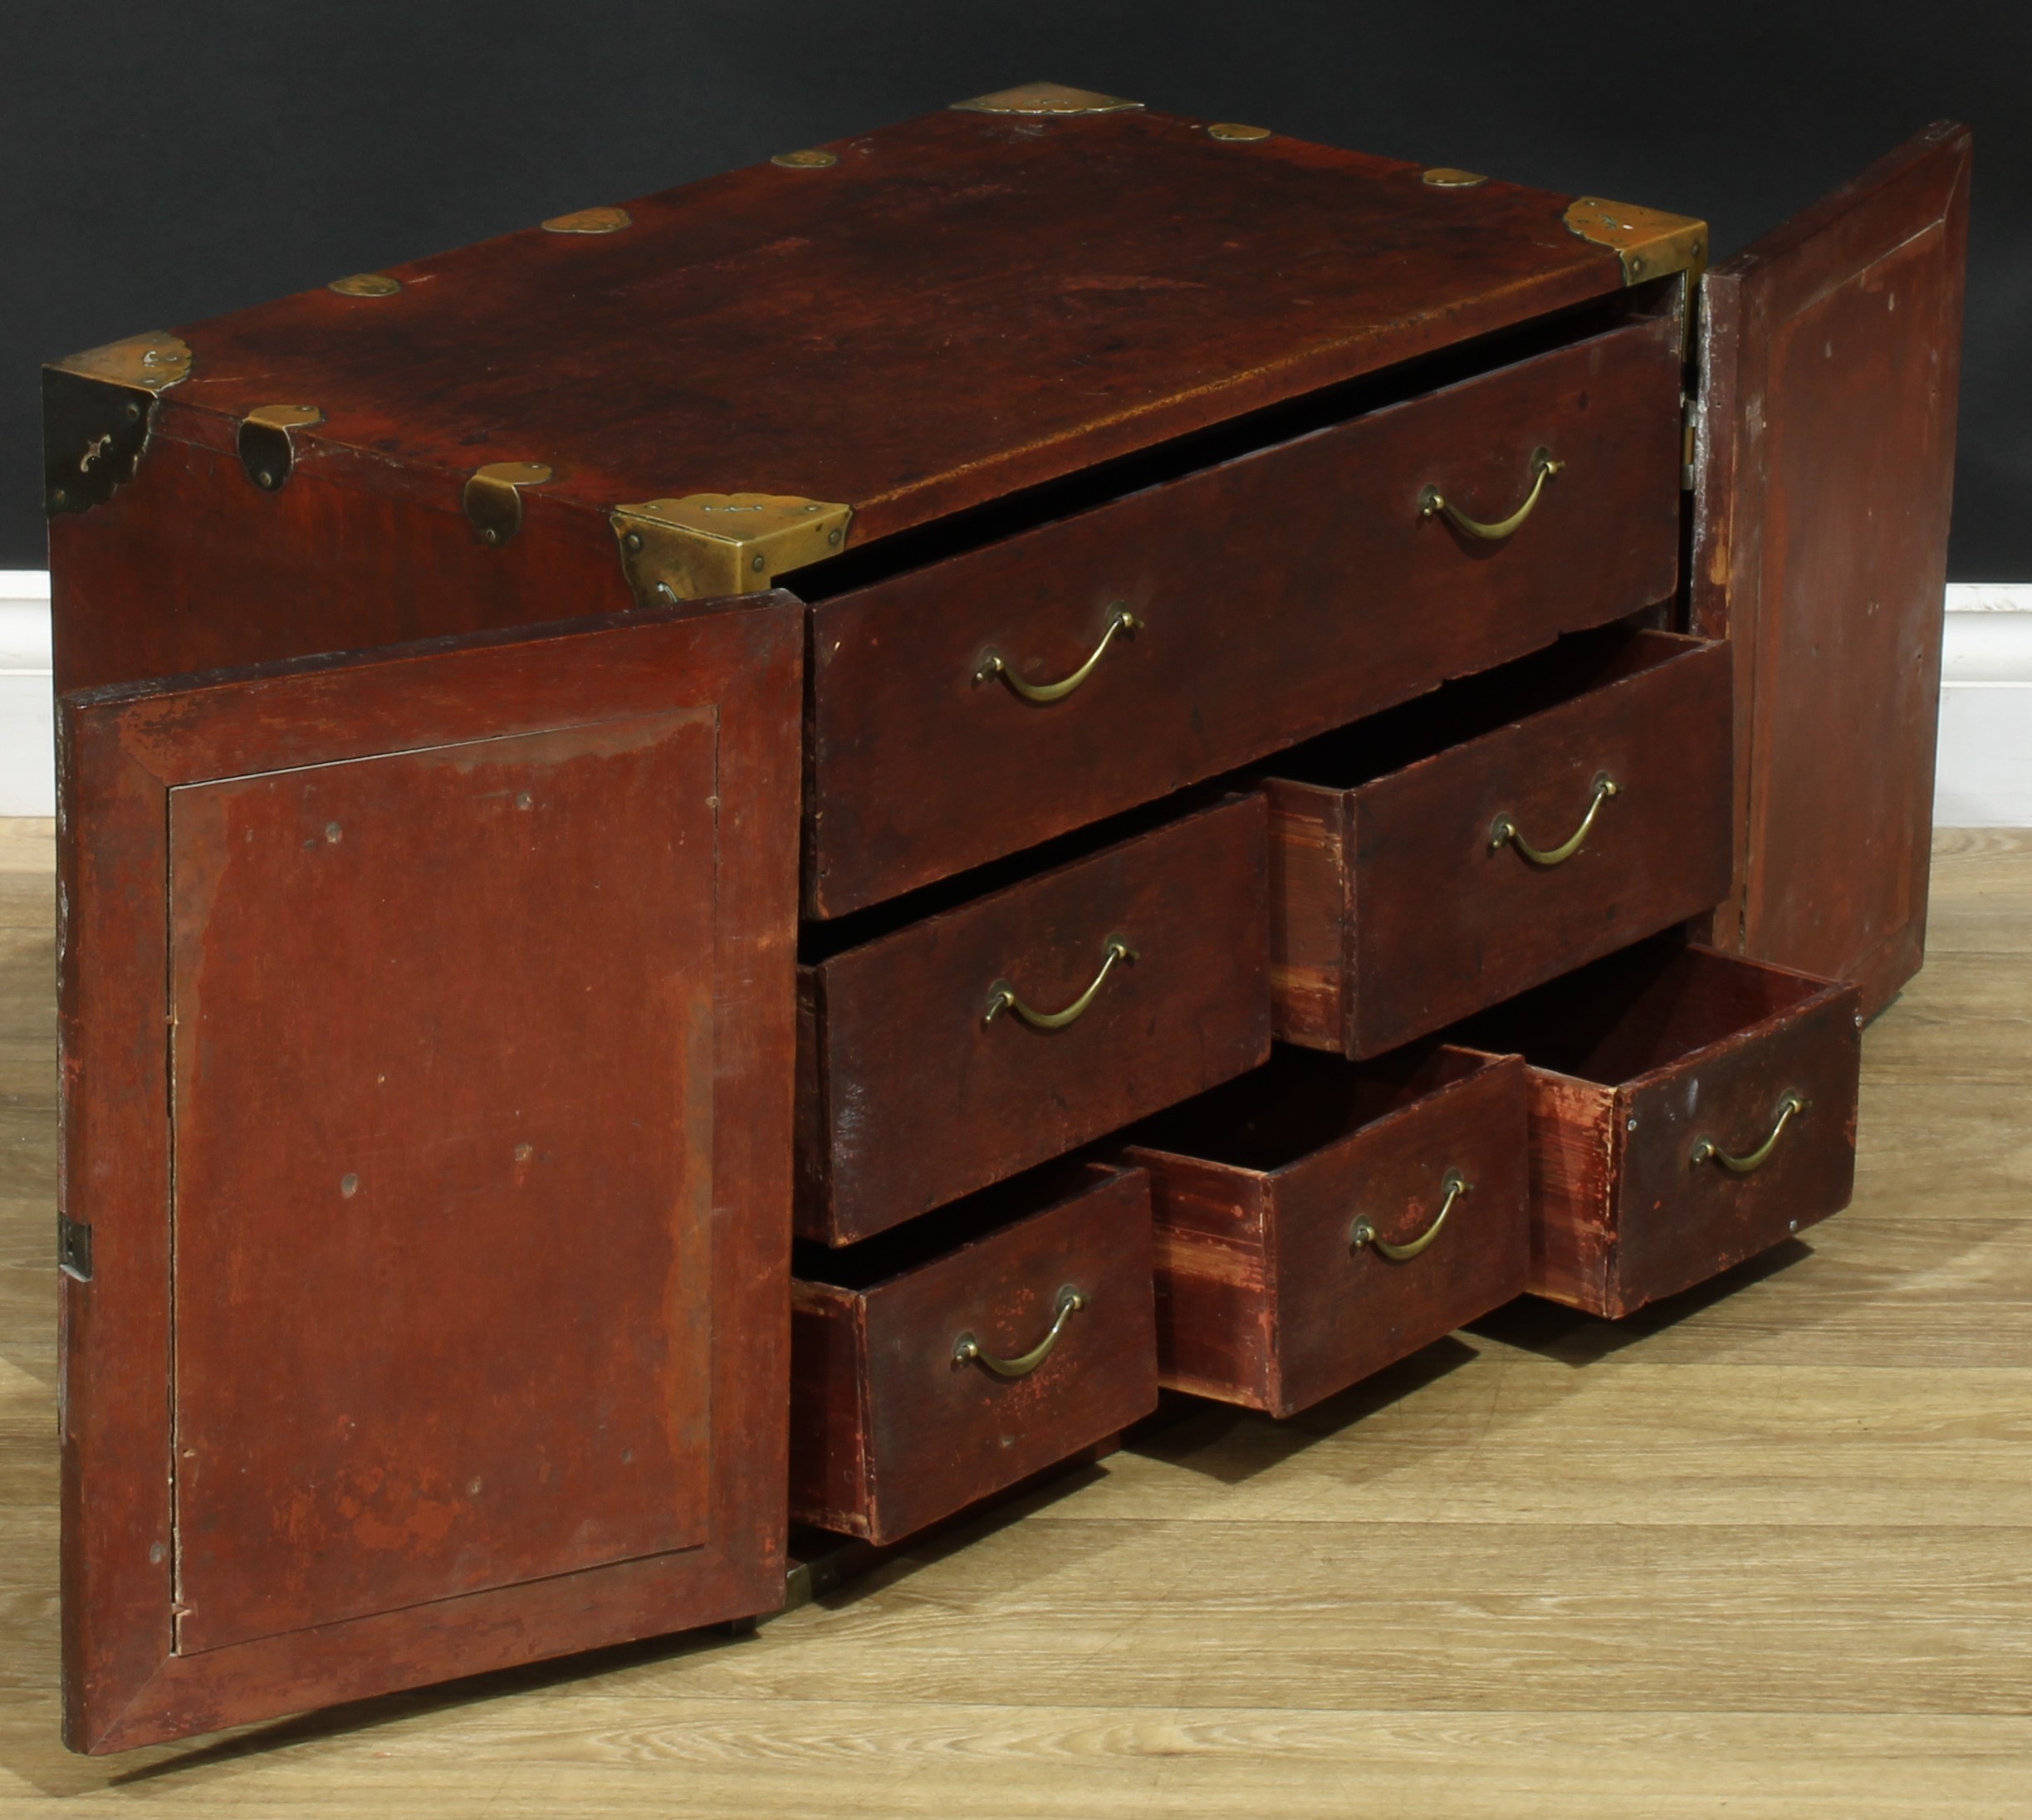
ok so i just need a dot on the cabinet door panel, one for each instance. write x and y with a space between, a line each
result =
1831 356
437 1318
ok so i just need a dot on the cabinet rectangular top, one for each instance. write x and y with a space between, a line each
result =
908 322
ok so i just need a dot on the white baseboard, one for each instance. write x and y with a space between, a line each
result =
1983 778
27 727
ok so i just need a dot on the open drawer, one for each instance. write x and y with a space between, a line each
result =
951 1357
1317 1220
1437 859
1689 1109
963 1047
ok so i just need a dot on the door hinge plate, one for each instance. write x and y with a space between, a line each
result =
709 544
73 1248
493 498
267 445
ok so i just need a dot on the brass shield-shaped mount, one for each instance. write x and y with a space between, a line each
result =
708 544
1046 98
98 408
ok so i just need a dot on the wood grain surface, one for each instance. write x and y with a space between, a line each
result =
407 1250
1291 589
1394 908
1759 1551
1831 365
912 1095
958 305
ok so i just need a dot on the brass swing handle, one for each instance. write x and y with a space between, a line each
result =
1505 831
1003 997
1434 504
993 665
1707 1150
966 1349
1365 1234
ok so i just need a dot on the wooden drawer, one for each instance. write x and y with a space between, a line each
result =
924 1371
1277 595
920 1081
1649 1071
1270 1196
1396 906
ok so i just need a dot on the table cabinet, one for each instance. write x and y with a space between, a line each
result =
758 856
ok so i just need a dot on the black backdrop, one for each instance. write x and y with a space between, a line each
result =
164 160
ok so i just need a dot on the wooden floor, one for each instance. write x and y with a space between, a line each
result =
1764 1551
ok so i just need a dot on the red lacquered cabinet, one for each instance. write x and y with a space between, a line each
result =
858 696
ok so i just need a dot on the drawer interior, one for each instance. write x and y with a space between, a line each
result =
1640 1010
1459 711
1299 1102
946 1229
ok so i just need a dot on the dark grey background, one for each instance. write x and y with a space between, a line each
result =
163 162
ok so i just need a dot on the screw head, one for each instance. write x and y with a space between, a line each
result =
633 541
833 537
757 564
1630 1125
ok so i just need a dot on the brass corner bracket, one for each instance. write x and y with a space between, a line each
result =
1649 242
1046 98
709 544
267 450
493 498
98 409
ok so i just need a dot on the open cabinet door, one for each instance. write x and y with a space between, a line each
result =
1830 357
426 1028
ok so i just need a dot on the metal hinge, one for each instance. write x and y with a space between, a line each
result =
1689 438
73 1247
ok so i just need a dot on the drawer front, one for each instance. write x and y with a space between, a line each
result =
1681 1215
1649 1070
1276 595
1272 1290
1397 907
914 1398
925 1076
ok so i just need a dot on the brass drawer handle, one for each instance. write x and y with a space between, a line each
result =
1365 1234
993 665
1707 1150
1432 503
966 1349
1506 829
1002 996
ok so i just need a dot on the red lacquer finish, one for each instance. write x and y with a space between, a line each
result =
1832 366
477 982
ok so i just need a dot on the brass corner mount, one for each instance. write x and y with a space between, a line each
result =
709 544
1650 243
98 409
1046 98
